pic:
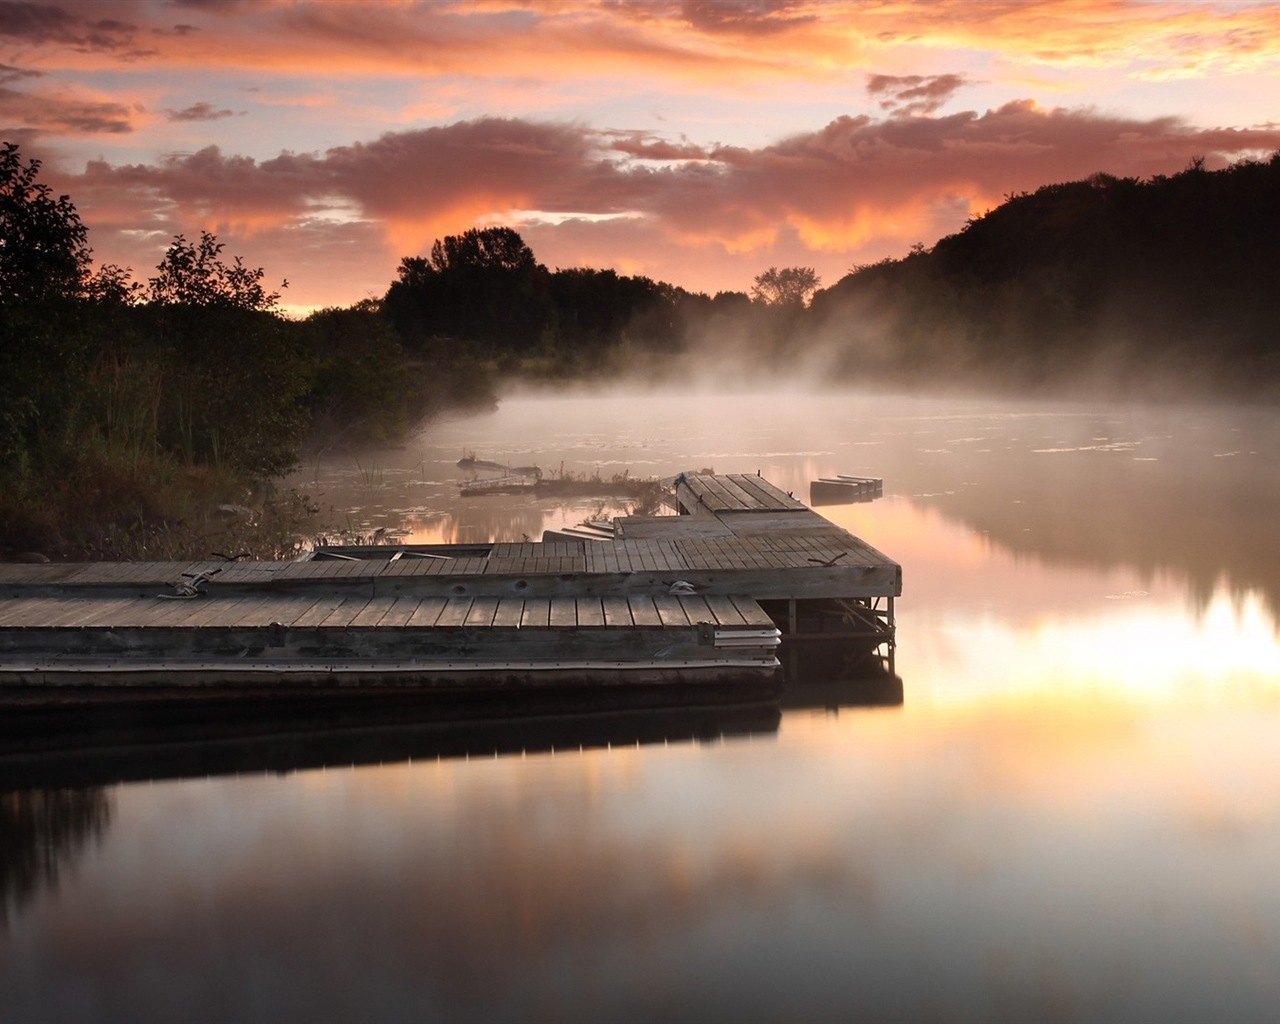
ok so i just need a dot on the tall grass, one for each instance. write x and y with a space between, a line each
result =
108 499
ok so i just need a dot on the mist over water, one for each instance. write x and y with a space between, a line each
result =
1071 814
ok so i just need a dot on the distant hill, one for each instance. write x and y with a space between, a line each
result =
1154 286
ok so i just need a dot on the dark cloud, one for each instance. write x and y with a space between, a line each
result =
912 95
745 17
11 74
48 114
36 23
644 146
214 6
209 186
199 112
507 162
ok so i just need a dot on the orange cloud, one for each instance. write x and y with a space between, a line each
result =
64 113
692 42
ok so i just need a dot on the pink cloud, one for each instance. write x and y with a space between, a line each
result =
914 94
857 185
39 113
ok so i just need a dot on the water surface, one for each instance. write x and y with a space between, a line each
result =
1070 810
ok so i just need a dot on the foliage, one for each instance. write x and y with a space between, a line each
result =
195 275
114 407
790 286
483 286
361 389
483 295
44 250
483 250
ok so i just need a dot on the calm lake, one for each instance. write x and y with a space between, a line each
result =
1068 810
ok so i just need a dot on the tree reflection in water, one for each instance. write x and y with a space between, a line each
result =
42 832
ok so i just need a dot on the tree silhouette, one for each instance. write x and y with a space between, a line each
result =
44 251
790 286
195 275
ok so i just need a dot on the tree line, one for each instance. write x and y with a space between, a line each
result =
1166 287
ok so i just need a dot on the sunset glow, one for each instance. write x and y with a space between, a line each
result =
696 143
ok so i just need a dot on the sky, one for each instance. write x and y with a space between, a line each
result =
691 141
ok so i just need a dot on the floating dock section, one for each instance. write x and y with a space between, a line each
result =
688 605
844 490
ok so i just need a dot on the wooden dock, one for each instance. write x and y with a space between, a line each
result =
702 599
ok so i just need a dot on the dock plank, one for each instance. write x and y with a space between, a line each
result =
316 613
753 615
346 610
510 610
696 609
250 612
590 612
455 612
725 611
481 613
400 612
643 612
564 612
427 613
373 612
670 611
201 611
749 502
537 613
28 612
617 611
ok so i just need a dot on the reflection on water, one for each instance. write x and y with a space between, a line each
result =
1067 808
42 833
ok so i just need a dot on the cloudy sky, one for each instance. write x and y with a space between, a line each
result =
695 142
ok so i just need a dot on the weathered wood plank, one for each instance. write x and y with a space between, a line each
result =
670 611
455 612
564 612
59 611
718 498
643 612
372 613
317 612
750 502
617 611
537 612
768 496
510 610
28 612
725 611
481 613
427 612
753 615
344 612
696 608
400 612
590 612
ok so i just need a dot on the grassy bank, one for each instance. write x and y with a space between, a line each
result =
96 503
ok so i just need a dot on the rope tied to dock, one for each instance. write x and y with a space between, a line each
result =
188 588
